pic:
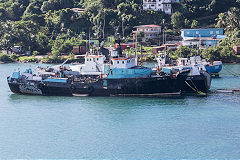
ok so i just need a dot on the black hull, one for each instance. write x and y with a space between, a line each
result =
164 85
102 87
36 88
194 84
135 86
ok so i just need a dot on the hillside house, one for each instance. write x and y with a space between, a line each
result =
202 38
149 31
159 5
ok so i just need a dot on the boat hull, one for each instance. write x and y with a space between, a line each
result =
101 87
154 85
194 84
215 68
130 86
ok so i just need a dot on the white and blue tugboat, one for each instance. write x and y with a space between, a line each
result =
198 79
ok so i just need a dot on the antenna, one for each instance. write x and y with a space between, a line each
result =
123 27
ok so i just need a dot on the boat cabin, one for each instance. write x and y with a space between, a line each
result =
123 62
183 62
94 65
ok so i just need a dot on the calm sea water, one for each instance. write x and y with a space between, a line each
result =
116 127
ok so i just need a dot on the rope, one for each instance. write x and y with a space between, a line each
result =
231 72
196 90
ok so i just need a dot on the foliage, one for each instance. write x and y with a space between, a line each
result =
4 58
52 26
28 59
177 20
52 58
14 57
229 20
182 51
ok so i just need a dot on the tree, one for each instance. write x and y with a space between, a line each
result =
229 20
177 20
194 24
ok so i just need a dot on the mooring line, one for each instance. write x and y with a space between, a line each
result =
196 90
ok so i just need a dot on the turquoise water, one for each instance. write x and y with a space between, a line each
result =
116 127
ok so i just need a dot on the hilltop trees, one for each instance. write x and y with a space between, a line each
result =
38 24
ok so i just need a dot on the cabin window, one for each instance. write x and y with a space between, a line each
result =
87 59
122 62
111 62
217 32
211 32
90 59
188 32
117 62
197 32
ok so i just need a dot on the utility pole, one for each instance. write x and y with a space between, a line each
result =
123 28
163 23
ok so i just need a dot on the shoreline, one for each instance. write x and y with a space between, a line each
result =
1 62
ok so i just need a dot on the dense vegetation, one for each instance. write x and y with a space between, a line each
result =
51 26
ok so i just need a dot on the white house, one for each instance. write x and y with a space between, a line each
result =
159 5
150 31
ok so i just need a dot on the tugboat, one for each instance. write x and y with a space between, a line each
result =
120 76
198 79
212 68
126 81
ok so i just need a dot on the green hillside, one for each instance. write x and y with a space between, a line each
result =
51 26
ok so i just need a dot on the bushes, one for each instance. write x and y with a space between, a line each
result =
5 58
182 51
28 59
14 57
223 53
52 58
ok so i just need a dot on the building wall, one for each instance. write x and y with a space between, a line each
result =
159 5
196 33
149 32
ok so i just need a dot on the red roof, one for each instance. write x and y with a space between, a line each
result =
148 26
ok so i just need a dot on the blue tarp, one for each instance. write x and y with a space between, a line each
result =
56 80
16 75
